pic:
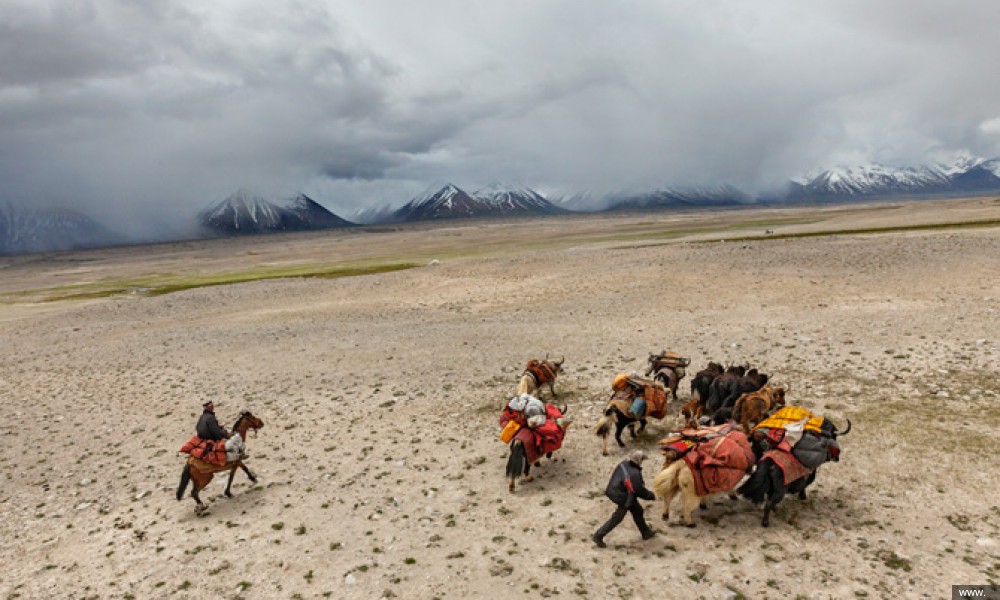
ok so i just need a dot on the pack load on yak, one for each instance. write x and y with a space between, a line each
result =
546 423
649 397
679 443
672 360
716 462
542 370
795 432
532 430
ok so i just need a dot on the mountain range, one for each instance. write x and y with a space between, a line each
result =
23 231
244 212
495 200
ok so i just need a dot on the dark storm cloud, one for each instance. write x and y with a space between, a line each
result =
151 111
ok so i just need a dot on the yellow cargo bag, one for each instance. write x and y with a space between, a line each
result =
509 431
791 414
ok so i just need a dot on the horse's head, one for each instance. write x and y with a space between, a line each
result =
246 421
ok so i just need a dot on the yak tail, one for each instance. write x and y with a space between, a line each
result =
185 478
758 486
524 385
518 460
603 427
666 482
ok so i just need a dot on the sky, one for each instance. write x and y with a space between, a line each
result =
144 113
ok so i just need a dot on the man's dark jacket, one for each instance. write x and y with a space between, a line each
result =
616 486
208 428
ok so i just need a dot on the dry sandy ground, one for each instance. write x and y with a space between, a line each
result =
380 470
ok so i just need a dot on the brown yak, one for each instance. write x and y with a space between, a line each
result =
538 373
753 407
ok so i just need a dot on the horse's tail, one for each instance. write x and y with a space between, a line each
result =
758 486
603 427
185 478
518 460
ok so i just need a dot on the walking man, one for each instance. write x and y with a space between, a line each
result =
624 489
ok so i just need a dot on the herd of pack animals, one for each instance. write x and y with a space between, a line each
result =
726 404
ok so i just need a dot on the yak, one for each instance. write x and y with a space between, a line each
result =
538 373
751 408
729 386
767 483
700 386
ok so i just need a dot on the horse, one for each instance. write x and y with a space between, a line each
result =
617 413
201 472
526 449
538 373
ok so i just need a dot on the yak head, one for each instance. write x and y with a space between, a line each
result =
833 450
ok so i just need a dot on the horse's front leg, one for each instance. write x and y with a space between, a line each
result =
642 426
249 474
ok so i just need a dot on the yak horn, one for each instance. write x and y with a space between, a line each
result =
848 430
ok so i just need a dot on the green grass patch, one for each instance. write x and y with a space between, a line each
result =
867 230
159 285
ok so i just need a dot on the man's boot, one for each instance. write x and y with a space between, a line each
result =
599 540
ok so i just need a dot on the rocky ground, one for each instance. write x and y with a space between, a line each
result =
380 472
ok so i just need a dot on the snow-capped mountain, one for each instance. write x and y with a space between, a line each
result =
495 200
449 202
509 199
312 215
723 195
879 181
244 212
42 230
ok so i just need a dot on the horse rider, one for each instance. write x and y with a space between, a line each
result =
624 489
208 427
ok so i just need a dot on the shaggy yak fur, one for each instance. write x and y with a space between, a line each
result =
729 386
700 387
677 478
754 407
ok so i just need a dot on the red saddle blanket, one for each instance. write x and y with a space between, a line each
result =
538 441
791 467
542 371
718 464
206 450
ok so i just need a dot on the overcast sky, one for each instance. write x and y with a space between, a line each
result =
160 108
